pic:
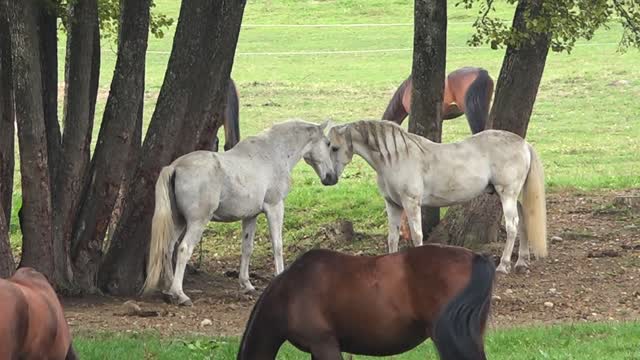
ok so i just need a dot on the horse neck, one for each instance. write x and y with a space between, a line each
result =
258 341
291 146
415 144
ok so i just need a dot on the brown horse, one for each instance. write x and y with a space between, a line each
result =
326 303
467 90
231 119
32 323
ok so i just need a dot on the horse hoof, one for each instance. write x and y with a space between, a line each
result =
186 302
522 268
502 269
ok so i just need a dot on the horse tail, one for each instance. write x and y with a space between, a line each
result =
476 101
163 230
232 117
71 353
459 329
534 206
395 110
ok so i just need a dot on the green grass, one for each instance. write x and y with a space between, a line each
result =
586 132
583 341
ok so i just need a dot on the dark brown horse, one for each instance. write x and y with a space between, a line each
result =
467 90
326 303
32 323
231 119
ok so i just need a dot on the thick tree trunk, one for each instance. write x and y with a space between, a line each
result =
196 80
35 215
118 142
477 222
7 266
7 118
80 95
48 34
428 74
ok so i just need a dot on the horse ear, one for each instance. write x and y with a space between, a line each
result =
326 126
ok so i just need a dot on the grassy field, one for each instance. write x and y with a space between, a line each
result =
593 341
585 130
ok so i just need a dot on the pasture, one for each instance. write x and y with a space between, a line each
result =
585 127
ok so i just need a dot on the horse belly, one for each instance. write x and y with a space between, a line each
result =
384 338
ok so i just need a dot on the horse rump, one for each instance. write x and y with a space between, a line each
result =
458 330
476 101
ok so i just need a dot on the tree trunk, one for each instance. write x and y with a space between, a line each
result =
428 74
118 142
80 91
7 118
48 34
35 215
476 222
195 81
7 266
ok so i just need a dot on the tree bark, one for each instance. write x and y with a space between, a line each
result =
7 117
428 74
118 143
48 34
195 81
7 266
476 223
35 215
80 92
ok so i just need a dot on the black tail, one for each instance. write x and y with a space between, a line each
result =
395 110
71 354
477 100
231 117
458 331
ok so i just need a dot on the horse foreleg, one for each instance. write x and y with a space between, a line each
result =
275 215
326 350
248 233
394 215
412 208
192 236
523 251
510 209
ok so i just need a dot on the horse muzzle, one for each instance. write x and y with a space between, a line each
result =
330 179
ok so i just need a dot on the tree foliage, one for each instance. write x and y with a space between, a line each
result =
109 18
566 20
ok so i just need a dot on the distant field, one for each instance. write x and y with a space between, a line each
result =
567 342
587 132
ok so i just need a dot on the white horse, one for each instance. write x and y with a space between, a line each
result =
251 178
413 172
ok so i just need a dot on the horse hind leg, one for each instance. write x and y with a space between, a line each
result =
248 233
523 251
192 237
510 209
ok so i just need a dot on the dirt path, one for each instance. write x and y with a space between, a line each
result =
592 274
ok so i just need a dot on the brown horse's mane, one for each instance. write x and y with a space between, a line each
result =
375 135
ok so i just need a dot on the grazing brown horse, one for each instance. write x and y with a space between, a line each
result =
467 90
32 323
326 303
231 119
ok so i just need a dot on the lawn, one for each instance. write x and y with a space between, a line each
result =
584 341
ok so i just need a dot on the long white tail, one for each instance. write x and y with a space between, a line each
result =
163 230
535 207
